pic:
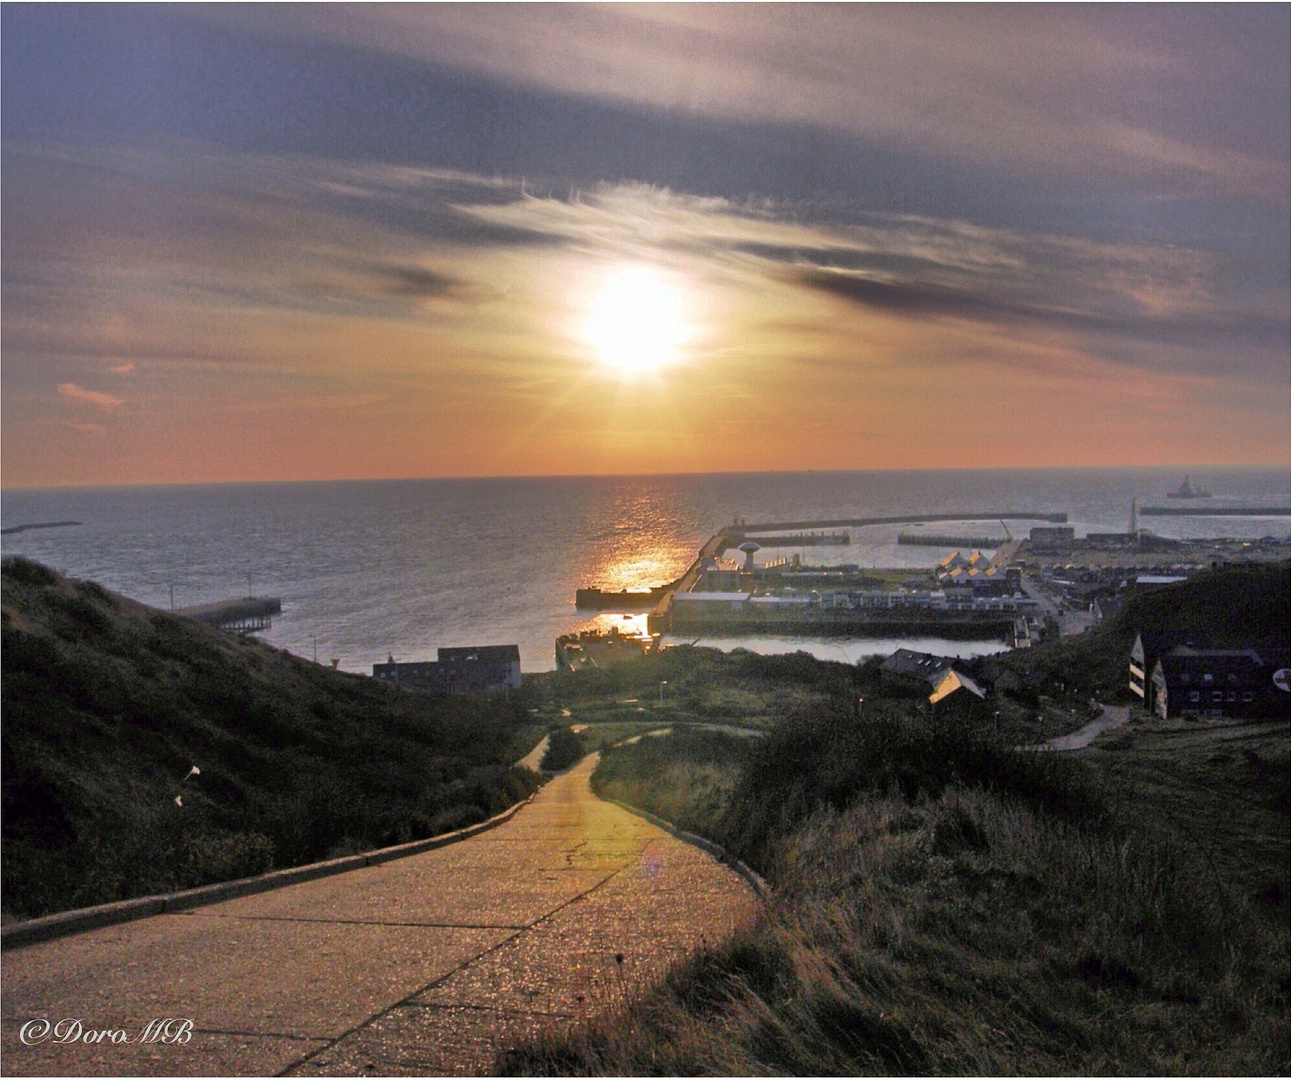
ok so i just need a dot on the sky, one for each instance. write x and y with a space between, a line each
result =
282 242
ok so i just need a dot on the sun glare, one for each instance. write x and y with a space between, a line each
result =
637 324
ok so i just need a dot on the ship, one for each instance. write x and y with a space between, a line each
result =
1187 491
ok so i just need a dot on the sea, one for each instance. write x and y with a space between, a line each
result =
372 569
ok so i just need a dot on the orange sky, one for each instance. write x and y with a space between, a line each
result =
197 291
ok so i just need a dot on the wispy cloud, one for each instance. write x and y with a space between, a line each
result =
1039 87
90 397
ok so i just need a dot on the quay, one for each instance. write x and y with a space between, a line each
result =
244 616
816 621
623 600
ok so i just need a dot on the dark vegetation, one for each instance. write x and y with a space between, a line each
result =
565 749
107 705
943 904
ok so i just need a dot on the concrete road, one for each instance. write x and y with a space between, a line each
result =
1112 717
426 965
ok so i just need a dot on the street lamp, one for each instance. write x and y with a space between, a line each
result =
661 686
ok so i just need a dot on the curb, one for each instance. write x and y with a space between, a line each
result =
63 923
755 880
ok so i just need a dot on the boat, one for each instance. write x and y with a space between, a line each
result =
1187 491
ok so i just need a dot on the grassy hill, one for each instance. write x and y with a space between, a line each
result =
945 905
108 703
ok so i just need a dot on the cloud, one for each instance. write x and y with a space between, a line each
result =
90 397
1194 100
123 369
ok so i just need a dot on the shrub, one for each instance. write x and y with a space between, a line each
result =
565 748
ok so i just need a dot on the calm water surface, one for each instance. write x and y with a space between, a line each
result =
370 568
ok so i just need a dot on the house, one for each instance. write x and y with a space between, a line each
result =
955 688
466 670
1148 647
1220 682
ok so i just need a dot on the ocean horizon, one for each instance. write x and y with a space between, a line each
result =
368 569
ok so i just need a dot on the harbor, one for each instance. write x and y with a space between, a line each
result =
784 597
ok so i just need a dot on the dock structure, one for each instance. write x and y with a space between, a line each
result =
244 616
732 536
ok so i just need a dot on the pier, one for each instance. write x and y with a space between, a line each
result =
244 616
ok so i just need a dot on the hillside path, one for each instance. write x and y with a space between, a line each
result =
425 965
1112 717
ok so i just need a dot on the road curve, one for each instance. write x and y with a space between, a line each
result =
1112 717
425 965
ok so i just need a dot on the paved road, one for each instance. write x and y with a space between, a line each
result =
426 965
1112 717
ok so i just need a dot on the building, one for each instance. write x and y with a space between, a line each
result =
956 688
1148 647
1052 537
1220 682
947 687
467 670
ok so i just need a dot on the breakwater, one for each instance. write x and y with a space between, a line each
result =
13 530
1214 511
934 540
743 528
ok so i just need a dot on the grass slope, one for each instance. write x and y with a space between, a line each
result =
107 704
945 905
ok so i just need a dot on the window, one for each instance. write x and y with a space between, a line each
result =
1195 695
1248 695
1218 695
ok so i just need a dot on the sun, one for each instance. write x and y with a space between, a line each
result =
637 324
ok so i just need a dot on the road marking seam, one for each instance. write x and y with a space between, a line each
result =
354 922
235 1033
408 999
